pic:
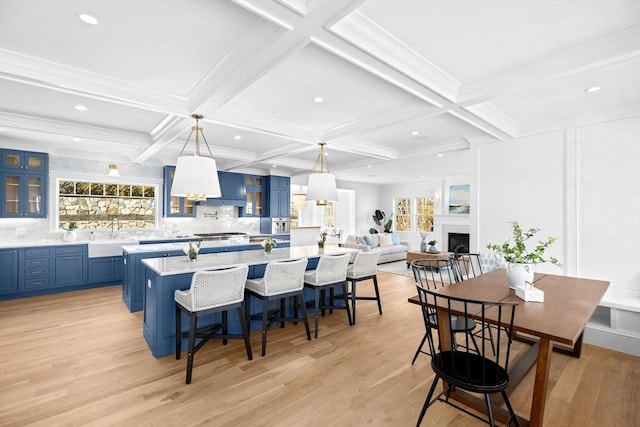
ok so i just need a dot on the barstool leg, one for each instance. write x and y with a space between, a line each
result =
303 307
265 324
317 311
245 333
375 287
178 332
346 302
225 329
353 299
193 324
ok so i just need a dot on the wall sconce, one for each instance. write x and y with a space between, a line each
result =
113 170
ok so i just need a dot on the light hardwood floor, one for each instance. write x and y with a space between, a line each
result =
79 359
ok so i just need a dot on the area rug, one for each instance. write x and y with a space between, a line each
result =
397 267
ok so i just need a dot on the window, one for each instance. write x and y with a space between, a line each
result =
424 211
420 219
329 215
93 205
402 214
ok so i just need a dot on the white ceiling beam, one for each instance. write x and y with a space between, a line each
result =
49 75
592 55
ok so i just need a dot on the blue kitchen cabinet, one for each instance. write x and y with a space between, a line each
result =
254 188
279 196
9 268
70 262
175 206
105 270
36 268
232 191
23 176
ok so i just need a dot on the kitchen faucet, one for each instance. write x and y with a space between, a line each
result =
115 224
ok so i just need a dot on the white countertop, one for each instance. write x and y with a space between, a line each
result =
181 265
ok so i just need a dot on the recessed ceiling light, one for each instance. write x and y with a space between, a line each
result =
88 19
415 132
80 107
77 139
368 166
593 89
274 166
237 137
318 99
440 154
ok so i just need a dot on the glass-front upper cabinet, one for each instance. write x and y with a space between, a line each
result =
254 186
173 205
26 160
24 181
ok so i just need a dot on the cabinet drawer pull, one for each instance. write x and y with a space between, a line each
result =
37 272
37 283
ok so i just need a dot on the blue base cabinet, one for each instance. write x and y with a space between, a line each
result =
9 269
105 270
70 264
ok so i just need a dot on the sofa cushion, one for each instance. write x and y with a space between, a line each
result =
351 240
385 239
384 250
395 238
398 248
375 240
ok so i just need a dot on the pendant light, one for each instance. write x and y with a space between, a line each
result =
322 184
196 177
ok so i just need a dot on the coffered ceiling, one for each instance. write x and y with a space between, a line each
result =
403 82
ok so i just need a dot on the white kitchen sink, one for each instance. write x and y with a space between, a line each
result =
102 248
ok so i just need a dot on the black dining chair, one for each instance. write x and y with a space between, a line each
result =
459 367
465 266
434 274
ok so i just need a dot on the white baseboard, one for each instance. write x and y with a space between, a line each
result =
613 339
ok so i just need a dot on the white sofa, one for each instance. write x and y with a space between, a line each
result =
388 244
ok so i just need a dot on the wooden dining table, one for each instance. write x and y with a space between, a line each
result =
569 303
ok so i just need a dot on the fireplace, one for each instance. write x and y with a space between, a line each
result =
458 242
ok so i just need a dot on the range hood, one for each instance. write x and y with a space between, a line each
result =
232 189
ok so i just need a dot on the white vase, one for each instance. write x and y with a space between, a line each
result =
518 273
70 236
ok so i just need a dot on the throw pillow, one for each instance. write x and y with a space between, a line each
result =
385 239
360 241
395 238
375 240
351 240
367 240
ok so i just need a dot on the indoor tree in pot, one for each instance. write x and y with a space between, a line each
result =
520 260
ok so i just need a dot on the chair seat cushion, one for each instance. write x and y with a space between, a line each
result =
470 371
256 285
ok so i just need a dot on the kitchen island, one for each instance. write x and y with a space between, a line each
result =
133 270
163 276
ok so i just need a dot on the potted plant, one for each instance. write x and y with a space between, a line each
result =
323 239
520 259
70 235
268 244
192 251
432 246
380 218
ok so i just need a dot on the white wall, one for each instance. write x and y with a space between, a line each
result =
608 202
367 200
580 185
521 180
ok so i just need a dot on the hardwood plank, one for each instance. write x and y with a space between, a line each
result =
79 359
